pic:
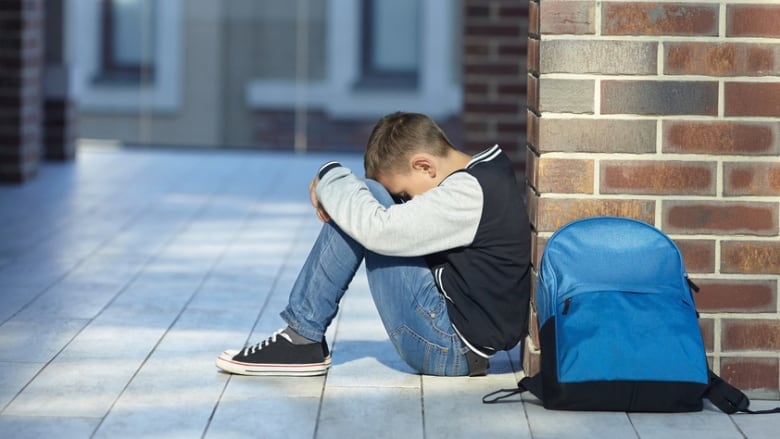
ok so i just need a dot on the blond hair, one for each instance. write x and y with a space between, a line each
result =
396 136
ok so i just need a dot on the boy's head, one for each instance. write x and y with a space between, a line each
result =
396 137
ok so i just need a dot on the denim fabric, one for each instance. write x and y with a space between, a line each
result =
411 308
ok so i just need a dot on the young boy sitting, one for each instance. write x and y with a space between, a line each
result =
445 239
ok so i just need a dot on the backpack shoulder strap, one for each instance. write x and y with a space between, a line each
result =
729 399
528 384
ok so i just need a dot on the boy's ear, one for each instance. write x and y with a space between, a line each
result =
423 162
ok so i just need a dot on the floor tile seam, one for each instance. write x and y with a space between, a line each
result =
374 386
334 342
127 224
175 233
260 313
249 218
39 371
236 234
98 202
737 426
173 236
26 416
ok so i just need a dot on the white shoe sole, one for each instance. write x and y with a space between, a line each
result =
225 362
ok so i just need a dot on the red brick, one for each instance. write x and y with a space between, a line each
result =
533 129
596 135
533 325
532 57
750 335
532 203
532 163
476 49
752 99
751 178
698 254
494 30
568 17
512 9
493 69
657 177
743 138
478 11
532 93
751 373
492 107
477 126
720 218
567 95
564 176
531 358
721 59
707 327
515 127
752 20
476 87
750 257
729 295
552 213
513 48
533 18
660 19
659 97
538 250
606 57
511 86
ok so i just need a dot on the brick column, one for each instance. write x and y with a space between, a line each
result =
59 120
669 112
494 46
21 65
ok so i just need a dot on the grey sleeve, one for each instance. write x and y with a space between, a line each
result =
443 218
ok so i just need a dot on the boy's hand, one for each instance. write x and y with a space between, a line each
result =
321 214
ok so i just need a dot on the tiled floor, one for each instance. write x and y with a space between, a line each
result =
124 274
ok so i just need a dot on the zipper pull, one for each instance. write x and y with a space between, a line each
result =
566 304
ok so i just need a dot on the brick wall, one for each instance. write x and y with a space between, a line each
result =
669 112
59 109
21 65
494 72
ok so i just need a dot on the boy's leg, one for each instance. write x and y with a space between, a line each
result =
314 298
322 281
415 315
413 310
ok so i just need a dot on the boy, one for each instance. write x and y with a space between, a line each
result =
447 265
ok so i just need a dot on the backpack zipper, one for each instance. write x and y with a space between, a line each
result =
566 304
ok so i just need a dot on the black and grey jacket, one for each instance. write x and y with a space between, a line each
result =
473 231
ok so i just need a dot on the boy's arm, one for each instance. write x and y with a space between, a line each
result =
442 218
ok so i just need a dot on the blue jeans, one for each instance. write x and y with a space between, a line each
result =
411 308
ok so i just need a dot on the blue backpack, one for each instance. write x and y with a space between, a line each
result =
618 325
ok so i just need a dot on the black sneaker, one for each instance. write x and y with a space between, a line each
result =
277 356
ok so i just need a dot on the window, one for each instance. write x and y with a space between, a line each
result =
127 53
138 66
391 43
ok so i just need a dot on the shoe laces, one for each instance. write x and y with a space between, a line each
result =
267 342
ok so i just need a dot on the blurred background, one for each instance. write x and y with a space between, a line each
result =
302 74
